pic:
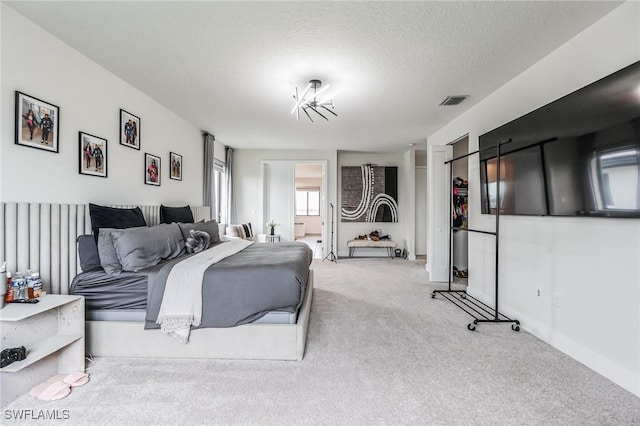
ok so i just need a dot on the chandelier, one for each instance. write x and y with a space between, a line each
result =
310 100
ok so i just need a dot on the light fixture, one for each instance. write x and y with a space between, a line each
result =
309 100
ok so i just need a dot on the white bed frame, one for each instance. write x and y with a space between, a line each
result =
42 237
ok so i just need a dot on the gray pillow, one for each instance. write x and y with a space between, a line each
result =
210 228
139 248
107 252
88 253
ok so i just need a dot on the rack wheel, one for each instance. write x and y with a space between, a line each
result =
471 327
515 327
433 295
463 295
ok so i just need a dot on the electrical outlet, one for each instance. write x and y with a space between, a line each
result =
556 300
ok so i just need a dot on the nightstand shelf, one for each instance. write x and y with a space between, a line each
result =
40 350
52 331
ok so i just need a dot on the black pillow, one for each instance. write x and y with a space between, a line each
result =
88 253
111 217
176 214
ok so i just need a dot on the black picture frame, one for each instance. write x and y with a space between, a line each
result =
130 126
375 188
92 158
175 169
35 118
151 176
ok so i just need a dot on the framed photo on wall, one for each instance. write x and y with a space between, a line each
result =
37 123
151 169
92 156
129 130
175 161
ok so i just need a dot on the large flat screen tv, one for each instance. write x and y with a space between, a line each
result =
577 156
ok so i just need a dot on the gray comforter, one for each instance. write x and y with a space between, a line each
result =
242 287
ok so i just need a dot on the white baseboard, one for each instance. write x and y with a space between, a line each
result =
619 375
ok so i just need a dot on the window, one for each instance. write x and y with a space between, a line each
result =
218 190
308 202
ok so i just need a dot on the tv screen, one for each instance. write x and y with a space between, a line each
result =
577 156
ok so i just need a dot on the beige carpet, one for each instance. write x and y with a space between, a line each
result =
379 351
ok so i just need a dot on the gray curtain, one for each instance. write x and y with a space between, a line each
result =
228 175
207 194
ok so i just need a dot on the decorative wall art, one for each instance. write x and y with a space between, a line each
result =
92 152
36 123
129 130
175 160
369 194
151 169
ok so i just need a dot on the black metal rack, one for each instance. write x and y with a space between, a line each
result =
478 310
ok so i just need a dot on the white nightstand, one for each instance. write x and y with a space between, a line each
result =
273 238
52 331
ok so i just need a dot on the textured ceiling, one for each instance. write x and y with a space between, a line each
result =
231 67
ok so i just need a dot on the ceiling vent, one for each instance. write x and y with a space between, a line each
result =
453 100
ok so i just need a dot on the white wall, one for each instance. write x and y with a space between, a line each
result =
401 232
248 196
421 200
408 183
589 267
90 98
247 181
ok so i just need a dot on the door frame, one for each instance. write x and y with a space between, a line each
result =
324 200
418 213
437 220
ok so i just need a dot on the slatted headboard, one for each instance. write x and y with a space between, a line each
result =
42 237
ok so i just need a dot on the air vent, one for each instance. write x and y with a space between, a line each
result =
453 100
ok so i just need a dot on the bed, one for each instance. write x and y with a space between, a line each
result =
255 303
253 341
269 291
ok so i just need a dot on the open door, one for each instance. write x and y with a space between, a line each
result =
438 221
278 197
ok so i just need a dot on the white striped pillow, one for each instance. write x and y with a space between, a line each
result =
245 232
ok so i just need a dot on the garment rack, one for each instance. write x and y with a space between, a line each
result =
478 310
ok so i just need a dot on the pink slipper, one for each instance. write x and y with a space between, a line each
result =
77 378
51 391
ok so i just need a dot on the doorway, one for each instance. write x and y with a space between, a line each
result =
460 185
310 206
294 197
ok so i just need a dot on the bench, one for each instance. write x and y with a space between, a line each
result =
354 244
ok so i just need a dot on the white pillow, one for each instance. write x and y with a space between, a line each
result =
243 231
232 231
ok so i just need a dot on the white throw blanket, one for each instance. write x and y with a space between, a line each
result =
181 305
